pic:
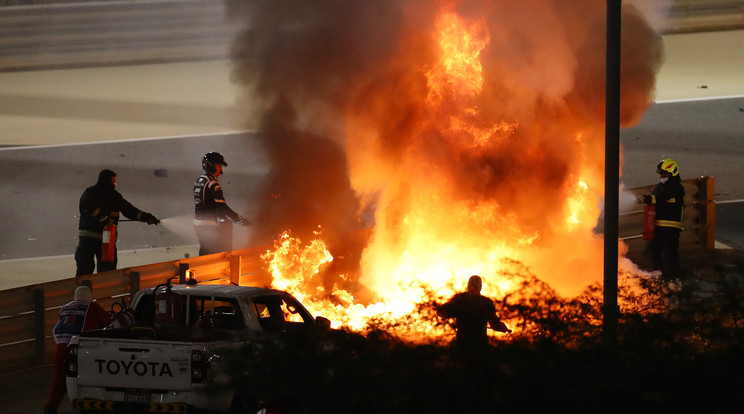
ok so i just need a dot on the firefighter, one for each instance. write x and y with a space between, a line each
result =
82 314
212 217
669 198
100 205
473 314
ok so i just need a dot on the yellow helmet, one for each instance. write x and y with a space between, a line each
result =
667 165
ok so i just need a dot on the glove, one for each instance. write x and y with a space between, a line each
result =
150 219
501 327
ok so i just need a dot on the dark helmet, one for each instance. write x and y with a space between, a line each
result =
211 159
105 176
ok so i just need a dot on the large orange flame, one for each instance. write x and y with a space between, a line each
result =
474 148
429 240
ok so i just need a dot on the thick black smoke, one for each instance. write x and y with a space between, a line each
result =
338 88
297 61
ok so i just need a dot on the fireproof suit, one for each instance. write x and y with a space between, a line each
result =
669 198
472 312
99 205
74 317
210 213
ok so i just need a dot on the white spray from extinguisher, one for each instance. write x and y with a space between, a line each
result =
181 225
630 204
184 227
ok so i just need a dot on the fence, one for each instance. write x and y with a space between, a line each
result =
82 34
36 34
686 16
28 314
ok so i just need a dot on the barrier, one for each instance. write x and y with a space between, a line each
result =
688 16
28 314
36 34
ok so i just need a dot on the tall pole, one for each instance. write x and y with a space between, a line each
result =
612 169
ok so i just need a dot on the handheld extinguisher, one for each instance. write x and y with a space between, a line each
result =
168 306
649 221
108 242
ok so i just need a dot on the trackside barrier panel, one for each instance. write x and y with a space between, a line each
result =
38 34
95 33
28 314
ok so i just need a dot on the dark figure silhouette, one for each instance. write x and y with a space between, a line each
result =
473 313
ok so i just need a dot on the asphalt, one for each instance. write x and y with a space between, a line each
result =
57 110
67 108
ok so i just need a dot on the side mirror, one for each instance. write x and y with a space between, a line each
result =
324 323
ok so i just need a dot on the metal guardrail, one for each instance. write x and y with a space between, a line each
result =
38 34
102 33
28 314
688 16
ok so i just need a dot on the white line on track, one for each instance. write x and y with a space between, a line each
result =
730 201
71 257
115 141
708 98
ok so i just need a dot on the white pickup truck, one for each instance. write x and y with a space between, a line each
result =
169 359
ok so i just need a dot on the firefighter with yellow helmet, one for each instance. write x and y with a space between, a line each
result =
669 199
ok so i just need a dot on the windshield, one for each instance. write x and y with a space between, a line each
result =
215 312
279 313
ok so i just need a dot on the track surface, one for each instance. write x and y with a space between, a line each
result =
192 106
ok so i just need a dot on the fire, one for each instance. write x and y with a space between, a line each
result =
473 138
437 239
576 204
303 262
458 69
294 267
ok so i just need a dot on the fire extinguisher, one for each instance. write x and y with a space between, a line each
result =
168 306
649 221
108 242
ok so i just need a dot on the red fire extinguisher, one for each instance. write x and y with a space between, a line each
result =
168 306
649 221
108 242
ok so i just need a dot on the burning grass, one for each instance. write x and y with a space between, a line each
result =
679 348
528 305
468 136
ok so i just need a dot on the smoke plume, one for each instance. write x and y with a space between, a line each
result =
371 117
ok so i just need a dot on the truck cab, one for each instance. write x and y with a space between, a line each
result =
238 308
169 359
